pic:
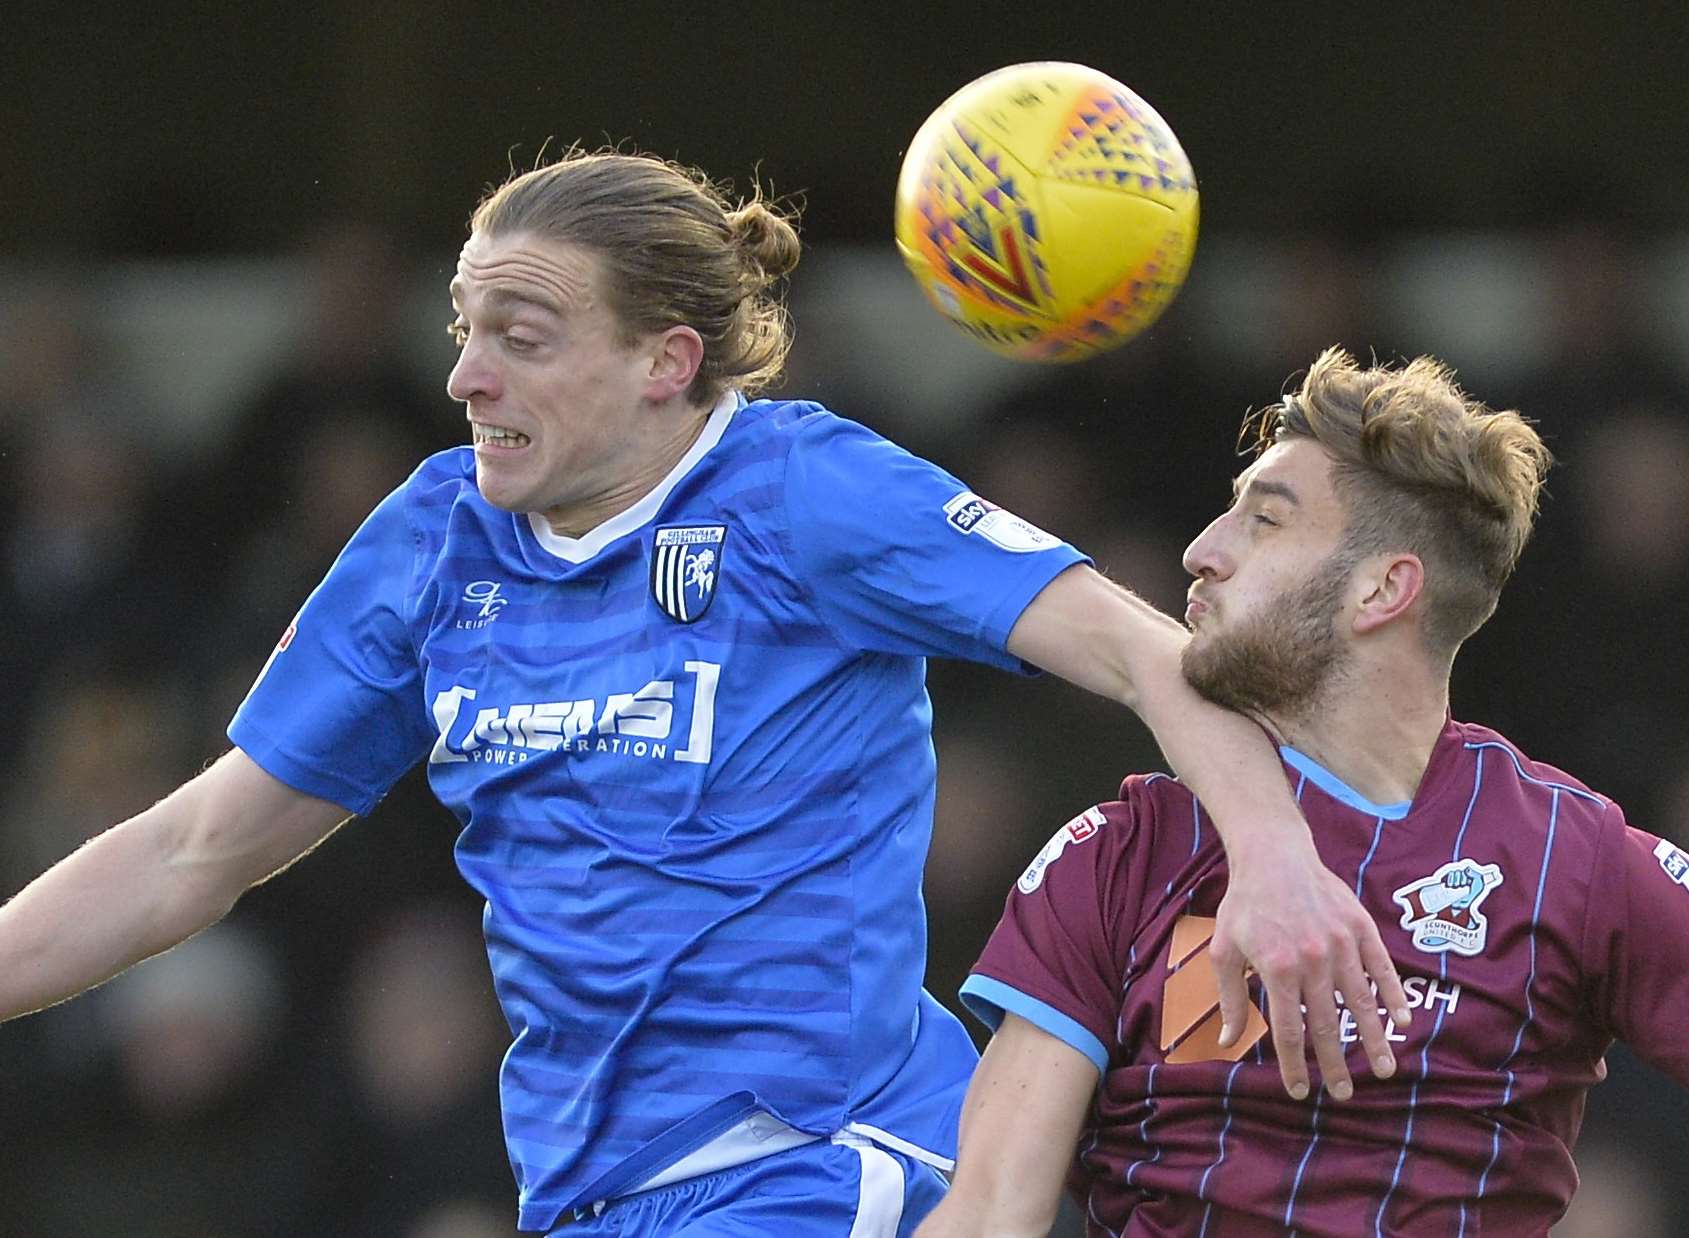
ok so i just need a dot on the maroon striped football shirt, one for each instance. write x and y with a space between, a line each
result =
1531 927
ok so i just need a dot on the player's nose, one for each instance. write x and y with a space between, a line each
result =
1205 556
472 376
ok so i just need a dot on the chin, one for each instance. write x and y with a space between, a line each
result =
1195 670
1196 647
505 498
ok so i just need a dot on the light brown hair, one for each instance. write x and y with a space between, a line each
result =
674 251
1420 467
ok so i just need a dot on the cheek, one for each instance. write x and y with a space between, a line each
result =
1270 578
1256 604
556 404
575 424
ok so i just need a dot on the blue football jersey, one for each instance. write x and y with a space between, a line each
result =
691 754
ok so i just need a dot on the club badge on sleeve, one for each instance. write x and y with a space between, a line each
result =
969 514
1674 860
1084 826
685 566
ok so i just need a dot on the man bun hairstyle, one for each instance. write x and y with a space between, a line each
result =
767 241
674 250
1421 467
768 249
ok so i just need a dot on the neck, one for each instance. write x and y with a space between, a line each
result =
1373 727
670 437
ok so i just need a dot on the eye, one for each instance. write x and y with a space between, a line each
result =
459 332
1263 518
517 343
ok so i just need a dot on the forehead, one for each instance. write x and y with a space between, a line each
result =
550 274
1298 469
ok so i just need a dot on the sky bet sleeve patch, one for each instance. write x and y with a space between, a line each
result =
1675 861
968 514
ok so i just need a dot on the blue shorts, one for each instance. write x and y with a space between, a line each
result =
843 1188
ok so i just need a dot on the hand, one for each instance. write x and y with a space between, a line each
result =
1307 936
1457 889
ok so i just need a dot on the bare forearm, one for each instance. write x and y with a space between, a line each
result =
1309 949
153 881
1228 762
1005 1186
971 1217
999 1211
1099 636
120 899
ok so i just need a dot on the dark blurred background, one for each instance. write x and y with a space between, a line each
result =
225 232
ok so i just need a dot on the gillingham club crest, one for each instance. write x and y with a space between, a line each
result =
685 565
1441 911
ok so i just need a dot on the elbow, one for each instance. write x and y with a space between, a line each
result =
197 861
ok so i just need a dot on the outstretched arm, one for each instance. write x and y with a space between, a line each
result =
1286 915
1020 1127
153 881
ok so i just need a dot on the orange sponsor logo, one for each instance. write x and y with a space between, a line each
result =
1190 1000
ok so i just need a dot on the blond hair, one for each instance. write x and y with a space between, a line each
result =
674 250
1421 467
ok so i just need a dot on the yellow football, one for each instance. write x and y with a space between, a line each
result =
1047 211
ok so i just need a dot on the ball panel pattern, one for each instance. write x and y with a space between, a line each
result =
1047 211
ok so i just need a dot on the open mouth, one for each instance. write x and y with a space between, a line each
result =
497 436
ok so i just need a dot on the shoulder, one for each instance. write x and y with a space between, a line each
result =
841 473
789 443
441 494
1514 763
1156 789
1534 811
442 477
803 425
1112 834
775 416
1170 831
1157 798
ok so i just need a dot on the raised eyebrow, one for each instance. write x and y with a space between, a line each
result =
506 298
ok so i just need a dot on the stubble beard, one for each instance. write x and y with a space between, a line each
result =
1278 664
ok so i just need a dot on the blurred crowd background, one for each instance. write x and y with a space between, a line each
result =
223 256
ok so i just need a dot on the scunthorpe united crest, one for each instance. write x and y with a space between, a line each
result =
1441 910
685 565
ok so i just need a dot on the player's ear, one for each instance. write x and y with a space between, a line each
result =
675 355
1391 585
